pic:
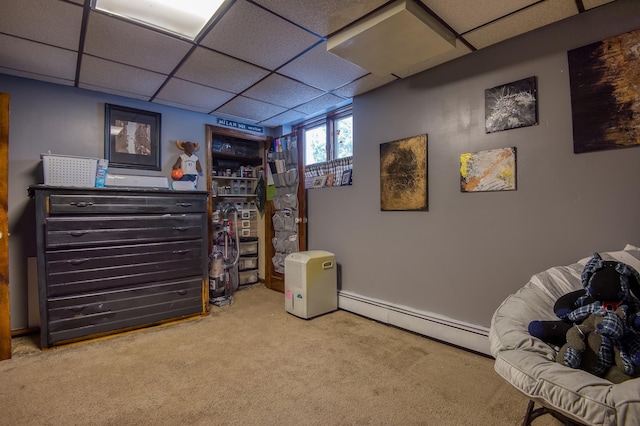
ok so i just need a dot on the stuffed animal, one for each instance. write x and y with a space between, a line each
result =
608 285
187 162
594 346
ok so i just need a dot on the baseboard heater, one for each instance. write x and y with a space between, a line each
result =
457 333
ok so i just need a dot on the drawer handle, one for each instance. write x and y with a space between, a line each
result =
181 292
184 204
81 204
77 233
77 261
180 228
78 308
181 251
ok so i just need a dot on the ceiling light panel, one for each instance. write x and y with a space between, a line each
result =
185 18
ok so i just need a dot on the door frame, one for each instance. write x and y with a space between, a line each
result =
5 303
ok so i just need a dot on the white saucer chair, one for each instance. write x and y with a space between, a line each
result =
528 364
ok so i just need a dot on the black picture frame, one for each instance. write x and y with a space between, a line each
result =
142 150
346 178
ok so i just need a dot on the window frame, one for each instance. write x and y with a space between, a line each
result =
328 120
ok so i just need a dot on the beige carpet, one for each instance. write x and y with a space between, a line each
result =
252 363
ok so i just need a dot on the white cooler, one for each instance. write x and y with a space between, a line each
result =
310 283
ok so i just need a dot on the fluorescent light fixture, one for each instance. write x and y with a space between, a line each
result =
185 18
392 39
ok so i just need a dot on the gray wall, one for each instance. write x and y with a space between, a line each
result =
65 120
469 251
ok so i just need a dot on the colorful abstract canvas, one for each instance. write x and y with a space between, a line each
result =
605 93
512 105
403 174
491 170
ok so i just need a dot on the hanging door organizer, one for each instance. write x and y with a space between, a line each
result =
283 163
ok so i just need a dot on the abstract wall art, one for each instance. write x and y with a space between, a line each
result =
403 174
512 105
491 170
605 93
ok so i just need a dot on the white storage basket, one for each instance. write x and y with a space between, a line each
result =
67 170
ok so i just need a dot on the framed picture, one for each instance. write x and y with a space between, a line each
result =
346 178
512 105
490 170
132 138
319 181
403 174
330 178
605 94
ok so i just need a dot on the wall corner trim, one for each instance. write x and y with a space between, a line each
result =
469 336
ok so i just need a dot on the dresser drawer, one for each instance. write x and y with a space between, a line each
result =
100 312
100 230
124 204
91 269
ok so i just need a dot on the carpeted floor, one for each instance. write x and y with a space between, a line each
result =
252 363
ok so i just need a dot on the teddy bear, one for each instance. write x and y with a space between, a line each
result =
594 346
607 286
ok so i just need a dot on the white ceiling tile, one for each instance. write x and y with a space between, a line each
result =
194 95
364 84
519 23
327 16
282 91
590 4
111 38
320 104
460 50
286 117
37 59
52 22
465 15
319 68
181 106
220 71
96 72
250 109
257 36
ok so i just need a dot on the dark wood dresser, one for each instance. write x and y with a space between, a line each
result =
113 260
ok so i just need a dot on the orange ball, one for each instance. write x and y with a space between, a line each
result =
177 174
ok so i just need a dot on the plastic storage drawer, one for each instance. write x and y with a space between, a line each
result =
248 277
248 263
248 248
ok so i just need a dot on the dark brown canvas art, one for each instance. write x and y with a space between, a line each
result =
403 174
605 93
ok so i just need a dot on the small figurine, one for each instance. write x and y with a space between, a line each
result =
188 162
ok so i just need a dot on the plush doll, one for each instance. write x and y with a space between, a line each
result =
593 346
607 286
188 162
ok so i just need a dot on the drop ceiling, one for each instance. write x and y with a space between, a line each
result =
263 62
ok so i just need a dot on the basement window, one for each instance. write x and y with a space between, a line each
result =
328 148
